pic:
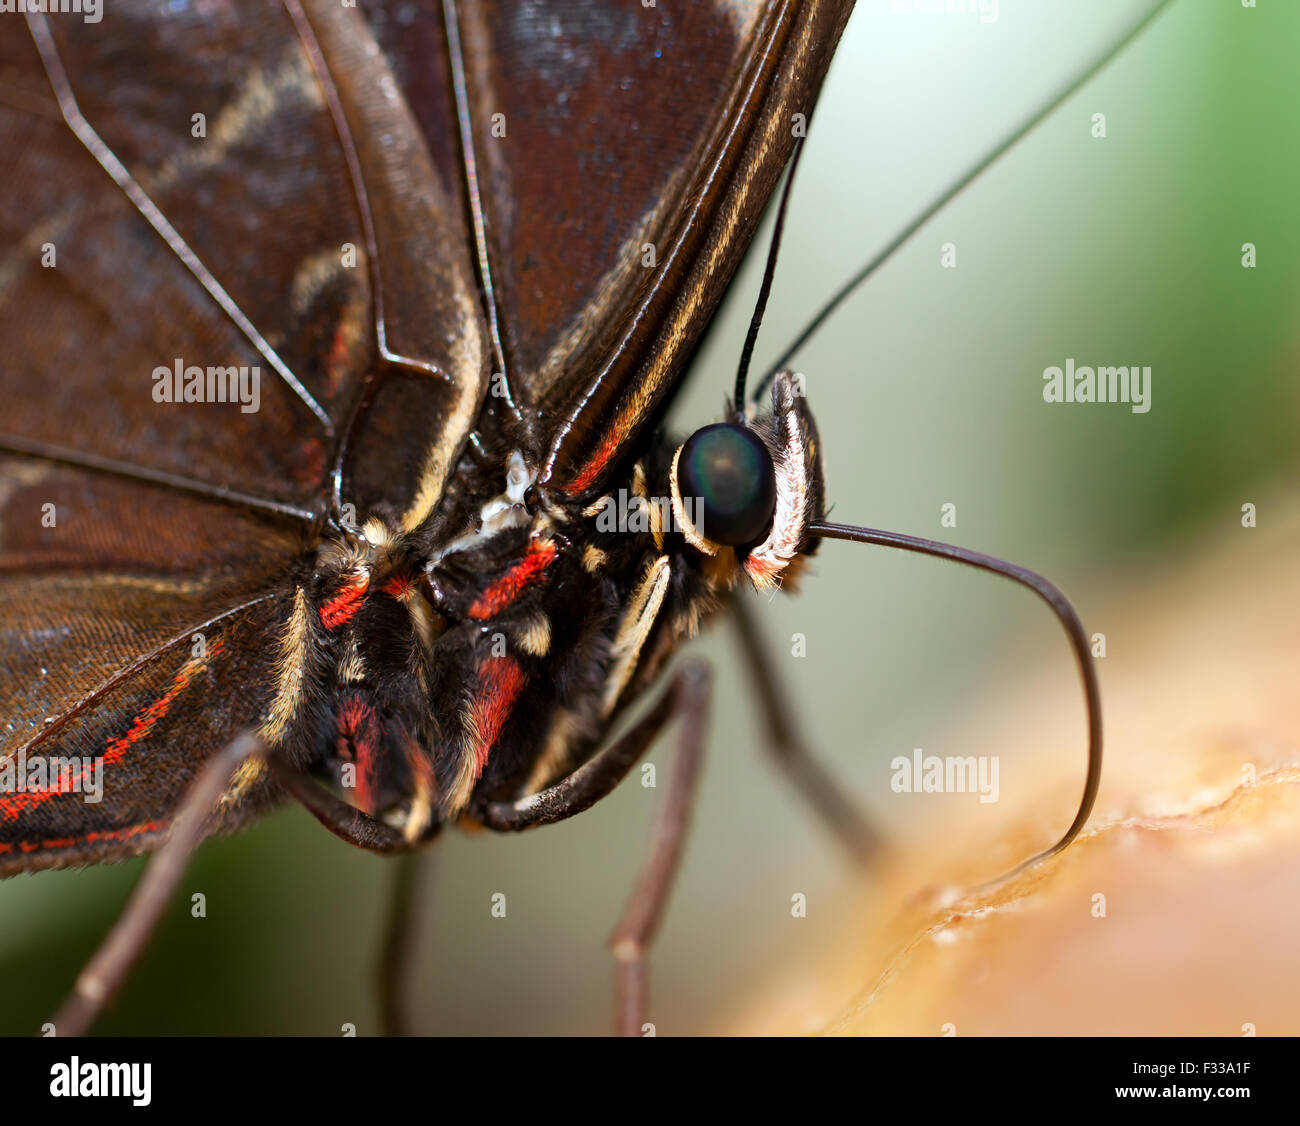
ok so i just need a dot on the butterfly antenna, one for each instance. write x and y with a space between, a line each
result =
769 271
1095 64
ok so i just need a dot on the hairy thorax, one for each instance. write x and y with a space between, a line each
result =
480 656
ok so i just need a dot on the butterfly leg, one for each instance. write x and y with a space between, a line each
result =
838 813
397 953
346 822
397 959
112 962
687 698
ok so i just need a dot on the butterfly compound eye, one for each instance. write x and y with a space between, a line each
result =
728 474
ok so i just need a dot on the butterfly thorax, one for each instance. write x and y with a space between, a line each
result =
482 657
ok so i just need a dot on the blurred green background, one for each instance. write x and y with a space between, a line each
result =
927 387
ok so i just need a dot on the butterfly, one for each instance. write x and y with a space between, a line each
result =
339 343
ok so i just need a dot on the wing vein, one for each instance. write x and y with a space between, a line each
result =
12 443
64 717
477 213
107 159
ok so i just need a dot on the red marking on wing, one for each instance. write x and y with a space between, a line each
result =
309 463
89 838
15 805
346 602
589 472
340 350
500 680
506 589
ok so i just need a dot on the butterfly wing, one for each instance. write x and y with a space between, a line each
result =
225 185
625 155
133 627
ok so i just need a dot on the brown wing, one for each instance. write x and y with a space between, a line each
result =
270 245
601 127
134 629
305 231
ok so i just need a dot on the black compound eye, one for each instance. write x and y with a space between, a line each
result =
728 484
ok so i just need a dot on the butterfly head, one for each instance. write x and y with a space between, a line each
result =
748 488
